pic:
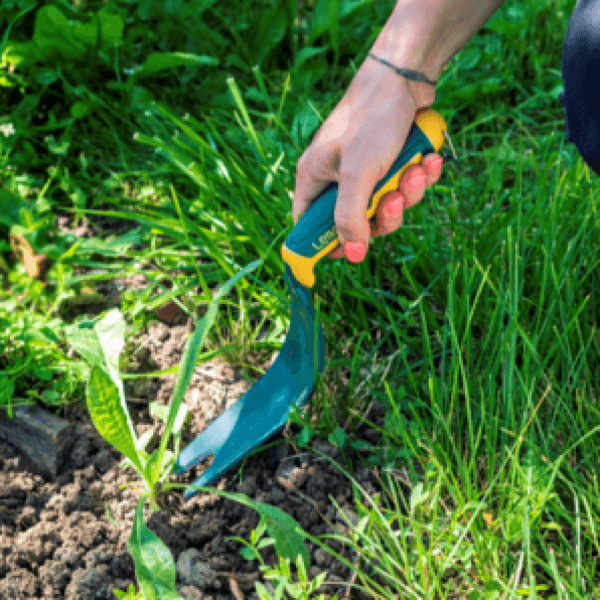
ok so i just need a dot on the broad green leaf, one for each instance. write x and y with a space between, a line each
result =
286 532
493 586
53 38
45 375
329 13
108 415
111 28
111 335
29 103
248 553
154 565
79 110
338 437
347 7
140 96
85 34
146 9
49 20
6 82
111 31
46 77
43 336
159 61
18 54
306 54
470 58
271 30
325 18
305 435
175 8
84 341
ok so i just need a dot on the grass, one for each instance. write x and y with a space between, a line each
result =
475 325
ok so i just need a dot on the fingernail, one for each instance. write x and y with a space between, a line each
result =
394 208
435 163
416 182
355 252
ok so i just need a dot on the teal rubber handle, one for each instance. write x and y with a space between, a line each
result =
315 234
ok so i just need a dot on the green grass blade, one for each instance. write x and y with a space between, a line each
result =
190 352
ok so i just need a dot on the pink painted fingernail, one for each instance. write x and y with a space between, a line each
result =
416 181
394 208
435 163
355 252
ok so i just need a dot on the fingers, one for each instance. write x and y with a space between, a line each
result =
354 191
413 183
390 211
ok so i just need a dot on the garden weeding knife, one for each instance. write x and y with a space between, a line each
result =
263 410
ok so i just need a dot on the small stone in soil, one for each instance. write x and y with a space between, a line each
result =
292 478
323 558
189 592
193 571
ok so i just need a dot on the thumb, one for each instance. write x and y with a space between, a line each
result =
356 184
315 170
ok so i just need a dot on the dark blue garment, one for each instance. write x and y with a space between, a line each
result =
581 79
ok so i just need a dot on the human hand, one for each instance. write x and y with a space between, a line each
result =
356 146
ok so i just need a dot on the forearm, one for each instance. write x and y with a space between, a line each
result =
424 35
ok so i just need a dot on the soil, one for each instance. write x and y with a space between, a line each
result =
67 538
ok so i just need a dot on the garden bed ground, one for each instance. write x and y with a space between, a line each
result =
67 537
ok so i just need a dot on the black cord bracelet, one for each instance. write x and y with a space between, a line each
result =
412 75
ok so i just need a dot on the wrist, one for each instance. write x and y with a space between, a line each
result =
403 40
424 35
390 83
407 73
